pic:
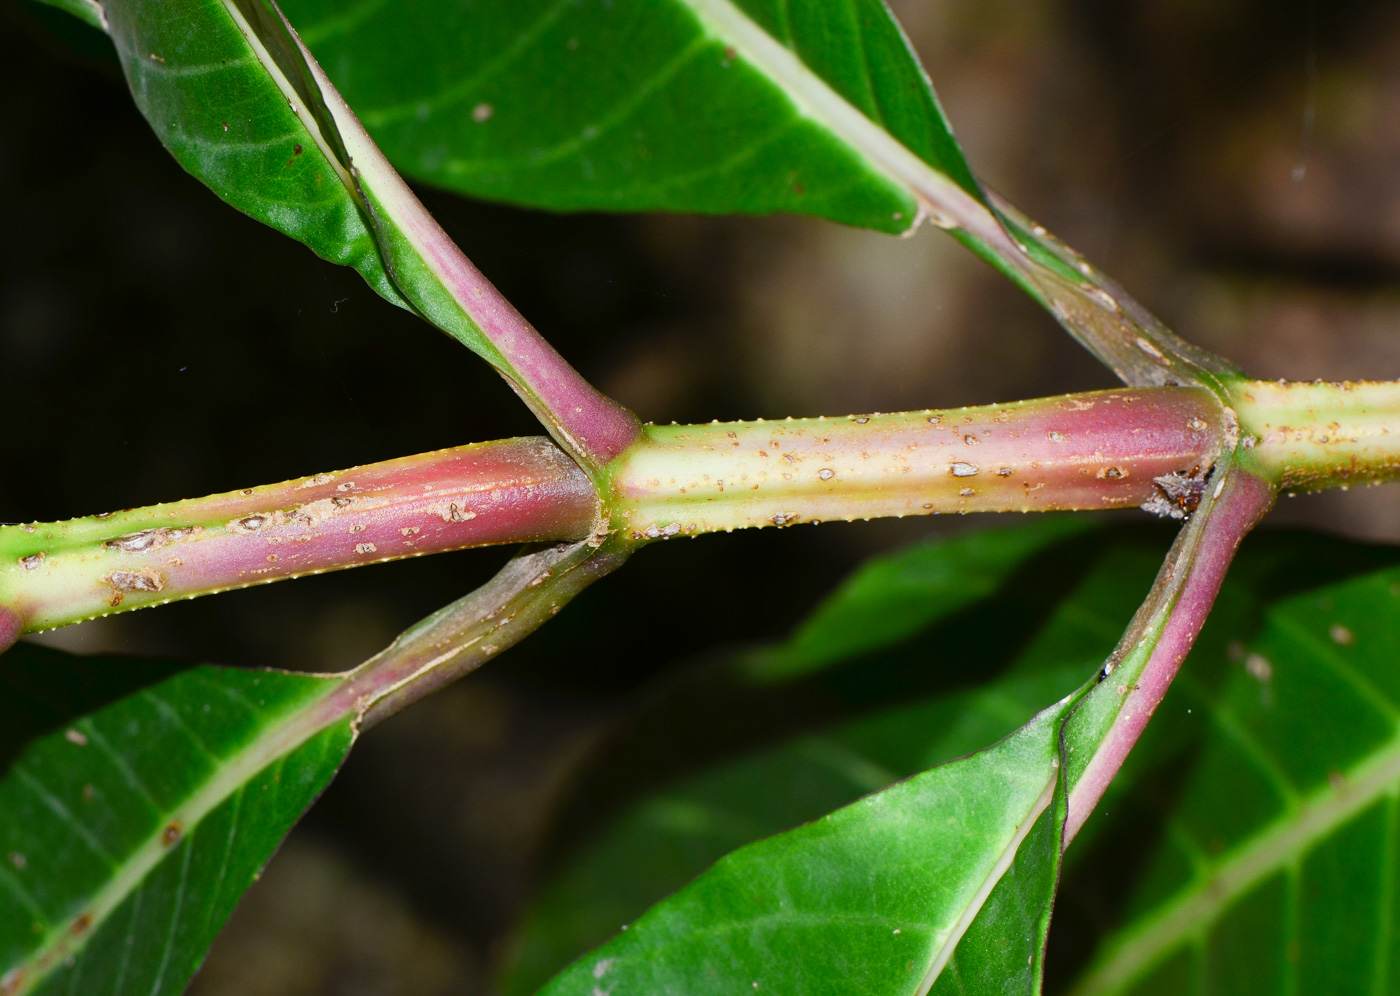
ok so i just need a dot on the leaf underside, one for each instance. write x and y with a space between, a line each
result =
223 118
721 106
136 809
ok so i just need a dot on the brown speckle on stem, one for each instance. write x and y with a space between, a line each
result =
148 539
146 579
452 512
250 523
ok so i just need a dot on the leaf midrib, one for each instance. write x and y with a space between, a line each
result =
815 99
1270 850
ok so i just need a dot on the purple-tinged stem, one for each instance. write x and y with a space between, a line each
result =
511 491
10 629
530 590
1168 622
1098 450
527 593
593 426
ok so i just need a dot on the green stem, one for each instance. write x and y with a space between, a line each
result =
1320 435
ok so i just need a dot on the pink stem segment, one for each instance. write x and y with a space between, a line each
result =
10 629
511 491
1099 450
1242 503
592 425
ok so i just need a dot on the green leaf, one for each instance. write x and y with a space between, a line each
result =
661 842
1261 807
214 106
655 845
719 106
893 597
137 803
231 92
716 106
873 897
1299 770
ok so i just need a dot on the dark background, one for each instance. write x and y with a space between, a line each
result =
1232 162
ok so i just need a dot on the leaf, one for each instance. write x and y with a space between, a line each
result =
755 106
1003 952
233 95
1261 806
893 597
131 825
1198 786
138 801
656 844
719 106
216 109
873 897
659 843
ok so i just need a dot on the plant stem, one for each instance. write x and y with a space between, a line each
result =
10 629
443 285
1100 450
1086 451
1133 685
524 595
511 491
1092 451
1320 435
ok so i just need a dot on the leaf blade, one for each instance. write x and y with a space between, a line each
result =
660 842
721 106
186 749
850 899
104 819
